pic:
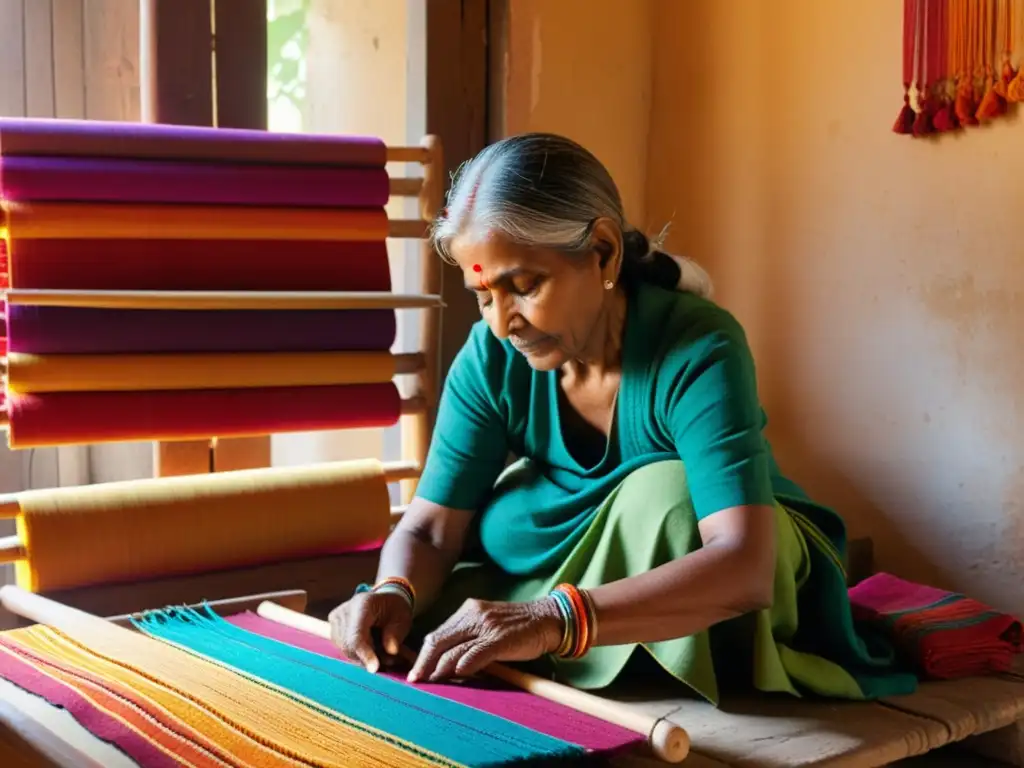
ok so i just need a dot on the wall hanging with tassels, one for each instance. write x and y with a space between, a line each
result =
961 63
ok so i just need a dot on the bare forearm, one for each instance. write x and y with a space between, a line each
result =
683 597
407 555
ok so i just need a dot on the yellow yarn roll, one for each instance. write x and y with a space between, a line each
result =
140 529
106 373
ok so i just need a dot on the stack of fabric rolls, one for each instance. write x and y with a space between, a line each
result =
172 283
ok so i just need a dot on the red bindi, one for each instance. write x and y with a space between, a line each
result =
477 268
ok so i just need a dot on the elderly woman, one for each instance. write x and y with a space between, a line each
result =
644 514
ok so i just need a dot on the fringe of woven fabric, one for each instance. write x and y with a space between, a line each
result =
247 722
462 734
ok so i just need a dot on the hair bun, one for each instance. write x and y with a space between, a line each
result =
635 245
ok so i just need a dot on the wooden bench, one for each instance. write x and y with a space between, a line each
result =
970 722
944 724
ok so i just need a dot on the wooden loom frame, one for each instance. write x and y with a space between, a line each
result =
326 578
179 87
666 740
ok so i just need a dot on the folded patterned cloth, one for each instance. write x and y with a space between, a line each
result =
942 634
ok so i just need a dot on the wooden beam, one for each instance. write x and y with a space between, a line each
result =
457 87
240 63
12 58
240 95
176 79
175 61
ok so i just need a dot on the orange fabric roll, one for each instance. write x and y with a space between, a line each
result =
142 529
28 373
191 222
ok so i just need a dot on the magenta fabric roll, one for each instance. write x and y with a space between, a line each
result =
148 141
81 179
82 330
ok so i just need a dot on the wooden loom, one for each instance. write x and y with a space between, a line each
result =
56 587
326 578
57 591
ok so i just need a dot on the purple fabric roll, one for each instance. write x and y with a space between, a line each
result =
146 141
76 330
81 179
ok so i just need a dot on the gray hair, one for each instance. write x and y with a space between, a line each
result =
543 190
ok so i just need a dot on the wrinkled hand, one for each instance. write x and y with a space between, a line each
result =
352 624
483 632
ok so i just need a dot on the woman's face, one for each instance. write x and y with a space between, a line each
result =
544 302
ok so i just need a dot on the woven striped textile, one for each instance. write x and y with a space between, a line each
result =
191 688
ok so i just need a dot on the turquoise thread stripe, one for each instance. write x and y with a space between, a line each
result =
917 633
941 602
460 733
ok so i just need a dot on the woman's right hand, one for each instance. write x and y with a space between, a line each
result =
352 624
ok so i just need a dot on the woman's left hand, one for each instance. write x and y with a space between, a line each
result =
482 632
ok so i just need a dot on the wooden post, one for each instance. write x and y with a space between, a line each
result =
175 49
417 427
240 97
457 87
176 81
187 49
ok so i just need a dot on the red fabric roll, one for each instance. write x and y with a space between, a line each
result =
200 265
77 418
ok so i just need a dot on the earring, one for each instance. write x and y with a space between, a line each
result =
608 285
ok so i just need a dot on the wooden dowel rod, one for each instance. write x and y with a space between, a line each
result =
195 300
410 362
43 610
409 187
408 155
9 507
292 599
417 428
397 513
400 470
667 740
408 228
414 405
11 549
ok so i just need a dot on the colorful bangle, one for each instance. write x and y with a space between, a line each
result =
577 609
394 585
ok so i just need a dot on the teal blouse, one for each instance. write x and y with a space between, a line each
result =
688 391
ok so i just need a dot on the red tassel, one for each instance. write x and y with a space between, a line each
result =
923 122
964 106
945 119
905 122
